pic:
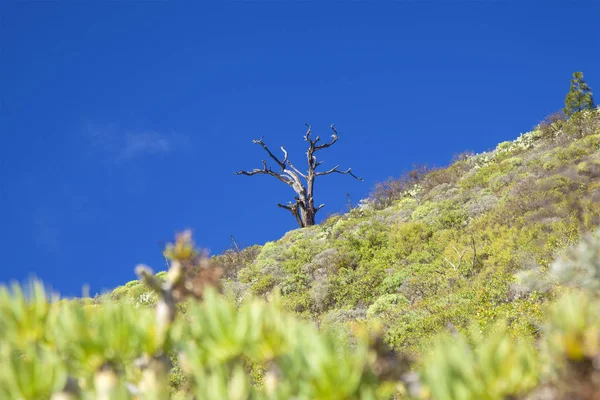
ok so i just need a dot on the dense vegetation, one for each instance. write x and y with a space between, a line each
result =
439 247
354 307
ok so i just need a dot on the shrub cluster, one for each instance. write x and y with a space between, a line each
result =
385 193
447 253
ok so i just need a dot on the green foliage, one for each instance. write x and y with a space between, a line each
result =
33 374
24 317
232 261
216 343
450 248
387 304
578 267
493 367
579 97
582 124
571 346
574 334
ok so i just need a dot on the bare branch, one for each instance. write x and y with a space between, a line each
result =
336 170
334 138
293 208
287 207
267 171
307 135
313 163
331 171
296 169
255 171
460 256
285 156
450 262
273 156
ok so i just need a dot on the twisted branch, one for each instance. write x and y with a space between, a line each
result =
336 170
279 162
267 171
313 143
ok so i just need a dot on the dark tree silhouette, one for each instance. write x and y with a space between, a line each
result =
303 207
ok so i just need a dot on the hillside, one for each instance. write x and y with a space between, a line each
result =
438 247
476 281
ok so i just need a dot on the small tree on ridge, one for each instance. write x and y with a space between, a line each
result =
579 96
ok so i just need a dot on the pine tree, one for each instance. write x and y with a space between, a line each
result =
579 97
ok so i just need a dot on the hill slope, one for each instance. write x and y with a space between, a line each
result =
439 247
432 251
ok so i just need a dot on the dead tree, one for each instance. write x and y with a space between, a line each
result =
303 207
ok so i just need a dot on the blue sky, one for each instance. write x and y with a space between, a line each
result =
122 123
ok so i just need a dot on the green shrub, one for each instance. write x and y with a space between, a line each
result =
386 305
589 168
493 367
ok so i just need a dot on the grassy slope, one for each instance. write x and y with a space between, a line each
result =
446 251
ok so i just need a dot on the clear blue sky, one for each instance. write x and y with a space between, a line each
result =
123 122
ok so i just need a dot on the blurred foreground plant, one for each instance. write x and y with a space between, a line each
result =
494 367
66 350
